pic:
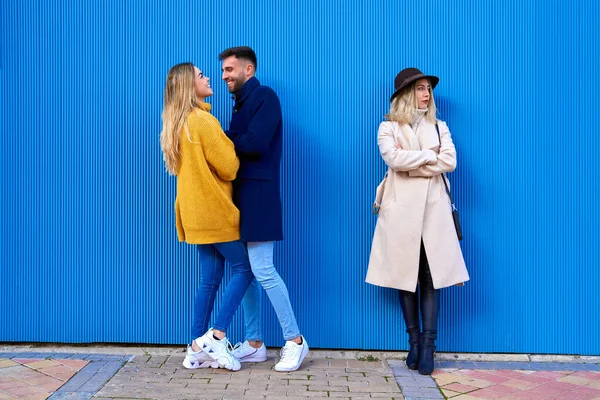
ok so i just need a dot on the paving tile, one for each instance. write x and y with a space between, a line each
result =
519 384
556 367
470 364
584 367
75 365
495 378
594 384
5 362
501 365
12 383
525 396
502 390
485 394
446 378
61 396
587 374
471 372
507 373
39 364
575 380
450 393
24 391
459 387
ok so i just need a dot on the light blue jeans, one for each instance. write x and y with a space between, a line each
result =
261 261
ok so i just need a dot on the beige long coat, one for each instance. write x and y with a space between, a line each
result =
414 206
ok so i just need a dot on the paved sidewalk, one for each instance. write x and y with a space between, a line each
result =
163 377
150 372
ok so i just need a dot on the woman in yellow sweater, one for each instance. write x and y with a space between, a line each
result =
197 151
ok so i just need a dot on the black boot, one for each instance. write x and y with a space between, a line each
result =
412 359
426 355
430 305
410 311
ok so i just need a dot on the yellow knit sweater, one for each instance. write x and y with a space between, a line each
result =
204 210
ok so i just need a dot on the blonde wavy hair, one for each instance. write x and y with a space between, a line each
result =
179 100
404 105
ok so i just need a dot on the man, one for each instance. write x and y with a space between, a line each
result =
256 131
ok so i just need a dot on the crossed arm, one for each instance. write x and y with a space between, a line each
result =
397 158
446 157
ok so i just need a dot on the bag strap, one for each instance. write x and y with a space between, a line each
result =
443 176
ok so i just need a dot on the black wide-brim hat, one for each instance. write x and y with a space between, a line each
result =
408 76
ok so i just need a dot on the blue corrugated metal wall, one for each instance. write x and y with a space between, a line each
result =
89 250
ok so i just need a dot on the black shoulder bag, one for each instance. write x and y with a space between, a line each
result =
454 211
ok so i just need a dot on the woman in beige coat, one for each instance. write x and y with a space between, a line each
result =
415 239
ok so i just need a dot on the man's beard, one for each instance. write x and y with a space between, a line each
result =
237 84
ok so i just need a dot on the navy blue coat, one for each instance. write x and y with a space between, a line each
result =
256 130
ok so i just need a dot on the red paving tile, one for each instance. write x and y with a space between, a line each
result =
495 378
59 371
583 393
11 384
471 372
526 396
561 386
73 364
547 390
48 383
458 387
519 384
508 373
36 378
4 378
536 379
502 390
24 391
553 375
485 394
536 385
587 374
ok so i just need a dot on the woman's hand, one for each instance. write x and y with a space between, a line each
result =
397 146
432 157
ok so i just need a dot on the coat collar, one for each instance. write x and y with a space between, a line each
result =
411 136
246 89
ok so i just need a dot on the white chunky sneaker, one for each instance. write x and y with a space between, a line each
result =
198 359
292 355
218 350
246 353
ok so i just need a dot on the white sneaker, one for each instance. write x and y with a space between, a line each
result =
197 359
292 355
246 353
218 350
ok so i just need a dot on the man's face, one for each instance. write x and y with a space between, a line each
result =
235 73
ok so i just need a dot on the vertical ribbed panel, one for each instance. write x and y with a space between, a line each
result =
89 250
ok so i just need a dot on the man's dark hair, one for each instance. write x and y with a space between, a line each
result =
240 52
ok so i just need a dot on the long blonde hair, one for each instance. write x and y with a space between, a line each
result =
404 106
179 100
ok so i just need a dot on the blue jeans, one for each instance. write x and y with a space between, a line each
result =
261 260
212 267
